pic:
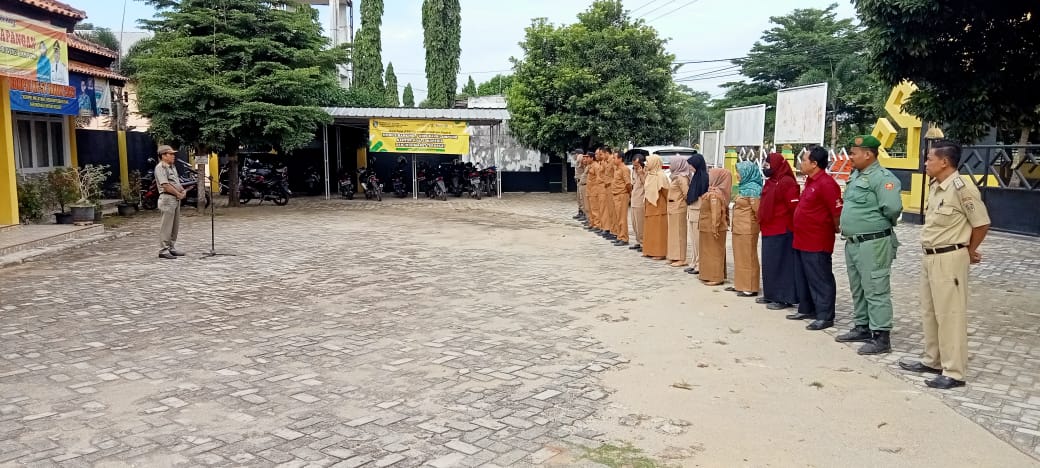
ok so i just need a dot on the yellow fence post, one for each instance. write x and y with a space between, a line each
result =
8 168
73 148
124 169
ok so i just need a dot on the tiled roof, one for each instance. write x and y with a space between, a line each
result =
56 7
80 43
470 115
87 69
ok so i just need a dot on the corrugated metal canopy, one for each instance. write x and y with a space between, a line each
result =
343 115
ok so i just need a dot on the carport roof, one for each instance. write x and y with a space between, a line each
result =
344 115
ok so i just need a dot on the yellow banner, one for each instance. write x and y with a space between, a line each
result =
33 50
417 136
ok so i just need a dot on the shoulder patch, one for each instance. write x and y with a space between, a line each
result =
958 183
890 186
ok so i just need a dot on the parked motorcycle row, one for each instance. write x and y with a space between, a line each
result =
436 182
189 180
261 181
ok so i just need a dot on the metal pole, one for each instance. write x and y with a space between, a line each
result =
496 133
325 143
415 180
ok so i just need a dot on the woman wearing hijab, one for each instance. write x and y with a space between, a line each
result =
698 187
776 218
746 268
637 209
677 188
713 225
655 227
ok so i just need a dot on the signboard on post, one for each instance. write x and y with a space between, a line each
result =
801 114
745 126
417 136
33 50
43 98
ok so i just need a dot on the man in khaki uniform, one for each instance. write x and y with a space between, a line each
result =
620 188
593 188
170 195
607 178
579 173
955 224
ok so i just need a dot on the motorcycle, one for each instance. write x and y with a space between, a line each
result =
400 189
475 186
274 186
312 181
189 182
370 184
346 185
489 180
430 183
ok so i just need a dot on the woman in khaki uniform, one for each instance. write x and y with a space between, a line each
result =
681 172
713 226
747 270
655 227
637 210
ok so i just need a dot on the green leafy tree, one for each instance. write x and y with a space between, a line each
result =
225 74
471 87
391 87
975 63
604 79
101 36
809 46
409 96
495 86
442 31
697 113
368 49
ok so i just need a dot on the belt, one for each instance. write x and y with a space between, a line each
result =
865 237
948 248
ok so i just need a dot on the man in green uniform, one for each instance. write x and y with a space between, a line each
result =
872 206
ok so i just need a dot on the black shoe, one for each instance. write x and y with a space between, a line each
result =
943 382
610 237
778 306
819 325
177 253
635 247
693 271
880 344
746 294
167 255
859 333
620 243
919 367
640 249
800 316
730 289
763 300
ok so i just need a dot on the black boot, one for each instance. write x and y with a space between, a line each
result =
858 333
879 345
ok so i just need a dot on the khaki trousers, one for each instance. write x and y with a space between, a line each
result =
607 211
621 202
583 204
170 208
638 214
944 307
693 217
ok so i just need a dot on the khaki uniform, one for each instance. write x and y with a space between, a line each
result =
580 175
637 205
606 176
677 223
592 194
620 187
953 209
169 206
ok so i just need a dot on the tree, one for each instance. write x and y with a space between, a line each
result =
808 46
409 96
604 79
495 86
225 74
101 36
976 64
368 49
471 87
391 87
697 113
442 31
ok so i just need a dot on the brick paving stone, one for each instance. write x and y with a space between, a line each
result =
460 446
317 350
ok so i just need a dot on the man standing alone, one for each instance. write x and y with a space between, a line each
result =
955 224
170 195
871 210
580 167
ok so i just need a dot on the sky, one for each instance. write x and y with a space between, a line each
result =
696 30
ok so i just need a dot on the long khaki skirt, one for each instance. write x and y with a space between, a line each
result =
713 257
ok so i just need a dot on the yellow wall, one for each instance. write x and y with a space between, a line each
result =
8 179
73 149
124 171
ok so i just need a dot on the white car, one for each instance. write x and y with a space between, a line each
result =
665 152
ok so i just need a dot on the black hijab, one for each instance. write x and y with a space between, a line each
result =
699 181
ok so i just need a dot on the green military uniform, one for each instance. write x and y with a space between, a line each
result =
872 206
953 209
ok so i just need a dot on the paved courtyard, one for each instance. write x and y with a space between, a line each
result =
467 333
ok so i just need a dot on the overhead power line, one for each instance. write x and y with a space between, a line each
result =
673 11
640 7
665 4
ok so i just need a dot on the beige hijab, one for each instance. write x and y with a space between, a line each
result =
655 179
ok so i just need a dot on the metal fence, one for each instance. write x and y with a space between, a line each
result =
1008 177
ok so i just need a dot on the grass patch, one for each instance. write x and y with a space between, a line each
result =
624 456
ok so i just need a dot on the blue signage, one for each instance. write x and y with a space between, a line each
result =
42 98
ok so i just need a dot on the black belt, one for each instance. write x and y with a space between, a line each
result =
948 248
865 237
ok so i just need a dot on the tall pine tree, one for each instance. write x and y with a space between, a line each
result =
368 49
442 31
409 96
222 74
471 87
391 87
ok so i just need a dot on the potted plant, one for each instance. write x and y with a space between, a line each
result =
62 190
89 179
131 194
32 198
